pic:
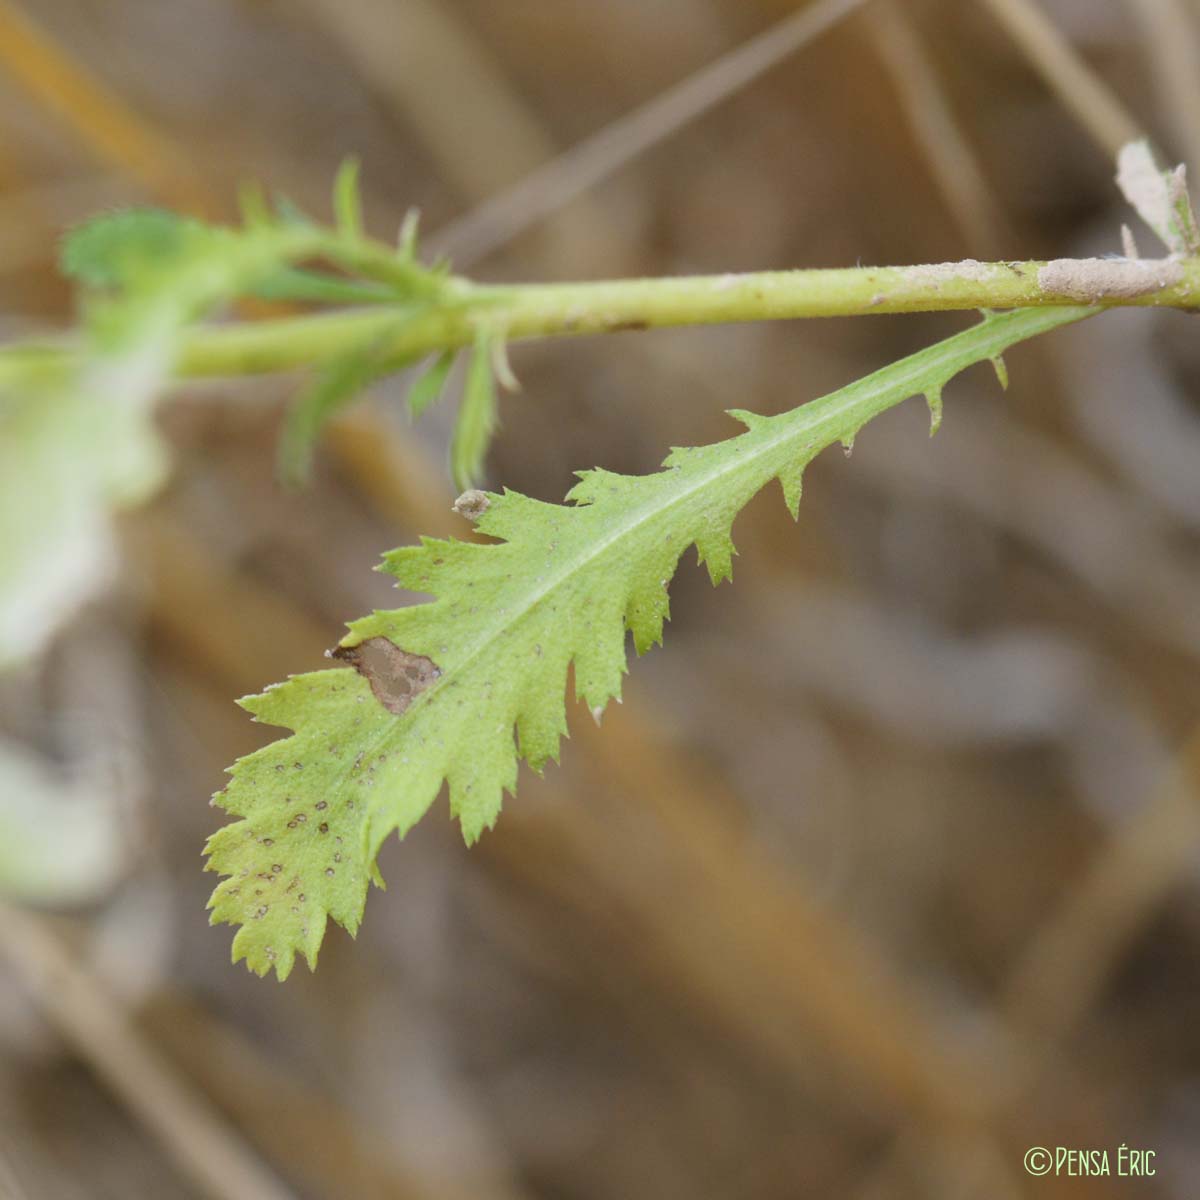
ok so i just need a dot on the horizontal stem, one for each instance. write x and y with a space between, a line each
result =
546 310
524 311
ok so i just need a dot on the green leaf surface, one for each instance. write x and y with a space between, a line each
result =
452 692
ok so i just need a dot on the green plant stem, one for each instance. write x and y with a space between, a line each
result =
547 310
521 311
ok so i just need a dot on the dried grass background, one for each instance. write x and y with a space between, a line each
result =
886 870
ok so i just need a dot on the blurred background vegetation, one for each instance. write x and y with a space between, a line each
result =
886 870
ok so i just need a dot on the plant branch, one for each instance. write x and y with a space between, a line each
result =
453 316
548 310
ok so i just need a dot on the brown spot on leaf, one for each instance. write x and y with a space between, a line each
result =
396 677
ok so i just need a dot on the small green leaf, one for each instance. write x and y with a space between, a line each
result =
347 202
406 245
431 384
334 387
113 250
476 415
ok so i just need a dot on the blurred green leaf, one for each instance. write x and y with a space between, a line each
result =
114 250
347 200
429 387
476 415
298 284
334 387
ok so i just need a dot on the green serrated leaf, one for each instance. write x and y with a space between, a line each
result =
429 387
476 415
454 691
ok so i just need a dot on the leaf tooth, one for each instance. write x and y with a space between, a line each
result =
244 948
594 485
751 420
415 567
715 551
791 479
599 653
648 608
277 704
542 717
1001 369
477 785
510 513
933 399
421 789
284 960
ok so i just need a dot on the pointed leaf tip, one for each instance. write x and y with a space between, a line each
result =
791 479
347 202
933 399
1001 369
431 384
406 243
751 420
